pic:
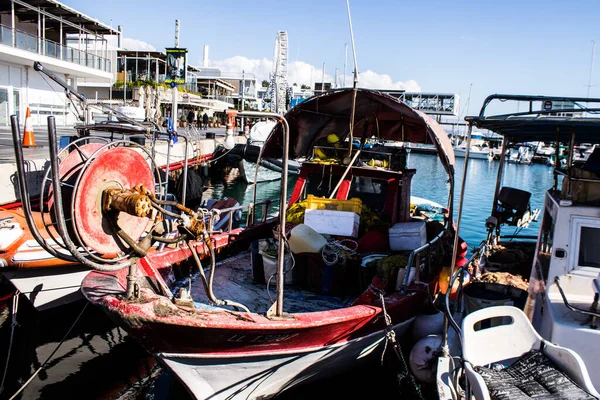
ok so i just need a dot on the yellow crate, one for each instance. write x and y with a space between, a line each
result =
322 203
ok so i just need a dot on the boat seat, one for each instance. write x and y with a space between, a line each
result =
522 363
512 205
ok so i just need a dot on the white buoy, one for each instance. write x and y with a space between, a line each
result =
423 358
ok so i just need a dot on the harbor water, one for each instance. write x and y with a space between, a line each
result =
99 361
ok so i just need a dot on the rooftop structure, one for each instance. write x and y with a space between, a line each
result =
66 41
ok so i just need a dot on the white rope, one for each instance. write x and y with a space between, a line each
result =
331 251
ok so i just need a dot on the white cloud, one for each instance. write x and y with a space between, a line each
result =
303 73
130 44
134 44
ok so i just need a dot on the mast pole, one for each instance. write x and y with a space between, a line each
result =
355 78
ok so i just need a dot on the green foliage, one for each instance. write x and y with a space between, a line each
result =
265 83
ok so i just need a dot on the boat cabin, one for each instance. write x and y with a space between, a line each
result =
564 281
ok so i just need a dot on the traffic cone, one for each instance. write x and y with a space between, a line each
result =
28 138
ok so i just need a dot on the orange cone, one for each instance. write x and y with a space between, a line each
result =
28 138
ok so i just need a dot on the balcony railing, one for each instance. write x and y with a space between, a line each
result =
49 48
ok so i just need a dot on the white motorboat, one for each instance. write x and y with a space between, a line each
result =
562 300
482 153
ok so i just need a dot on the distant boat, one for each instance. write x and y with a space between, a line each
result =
482 153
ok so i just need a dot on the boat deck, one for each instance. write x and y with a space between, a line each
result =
233 281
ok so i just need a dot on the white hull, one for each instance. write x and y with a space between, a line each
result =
250 377
482 155
48 287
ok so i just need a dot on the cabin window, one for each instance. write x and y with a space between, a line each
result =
372 192
321 185
545 246
589 256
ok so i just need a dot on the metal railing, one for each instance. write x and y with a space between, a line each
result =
32 43
219 214
422 257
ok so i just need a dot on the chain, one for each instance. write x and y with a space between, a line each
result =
390 336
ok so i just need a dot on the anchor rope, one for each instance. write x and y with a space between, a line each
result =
13 325
390 337
51 355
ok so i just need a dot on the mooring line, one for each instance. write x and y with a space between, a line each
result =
51 355
13 325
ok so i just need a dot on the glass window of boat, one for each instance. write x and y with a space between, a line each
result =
364 188
545 245
589 256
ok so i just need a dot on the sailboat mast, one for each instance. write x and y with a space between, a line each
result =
355 78
591 68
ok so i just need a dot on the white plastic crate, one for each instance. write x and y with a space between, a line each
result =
343 223
408 235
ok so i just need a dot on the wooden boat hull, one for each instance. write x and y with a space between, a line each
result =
218 353
263 376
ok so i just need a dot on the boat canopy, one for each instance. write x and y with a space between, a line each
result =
543 118
376 114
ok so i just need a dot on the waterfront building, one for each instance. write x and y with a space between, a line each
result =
66 41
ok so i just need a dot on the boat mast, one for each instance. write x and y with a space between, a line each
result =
355 78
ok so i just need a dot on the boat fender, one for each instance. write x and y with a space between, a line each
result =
427 324
423 357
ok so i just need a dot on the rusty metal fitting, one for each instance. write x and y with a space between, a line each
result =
133 202
197 226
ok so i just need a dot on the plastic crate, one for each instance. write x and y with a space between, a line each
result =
321 203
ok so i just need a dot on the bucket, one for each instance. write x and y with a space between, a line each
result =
480 295
270 268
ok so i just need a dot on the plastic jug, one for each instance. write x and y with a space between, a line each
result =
304 239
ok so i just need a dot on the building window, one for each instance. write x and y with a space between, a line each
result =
3 107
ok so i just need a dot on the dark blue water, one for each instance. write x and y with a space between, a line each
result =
429 183
99 361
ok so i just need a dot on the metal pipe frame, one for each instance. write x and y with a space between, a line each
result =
505 144
282 201
60 215
24 193
445 348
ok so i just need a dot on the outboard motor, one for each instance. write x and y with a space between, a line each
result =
513 207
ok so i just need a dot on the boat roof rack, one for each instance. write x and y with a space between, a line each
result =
547 118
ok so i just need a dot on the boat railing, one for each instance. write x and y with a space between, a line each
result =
422 257
217 215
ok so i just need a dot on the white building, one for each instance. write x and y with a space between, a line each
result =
67 42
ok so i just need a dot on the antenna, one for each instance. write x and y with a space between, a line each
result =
353 47
589 85
176 33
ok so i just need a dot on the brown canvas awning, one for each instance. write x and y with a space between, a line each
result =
377 115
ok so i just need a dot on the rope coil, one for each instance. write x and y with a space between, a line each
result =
332 250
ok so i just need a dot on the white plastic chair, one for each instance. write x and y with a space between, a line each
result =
506 343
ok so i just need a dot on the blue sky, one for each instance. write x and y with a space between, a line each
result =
524 47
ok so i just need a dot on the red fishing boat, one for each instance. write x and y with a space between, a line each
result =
34 261
198 299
